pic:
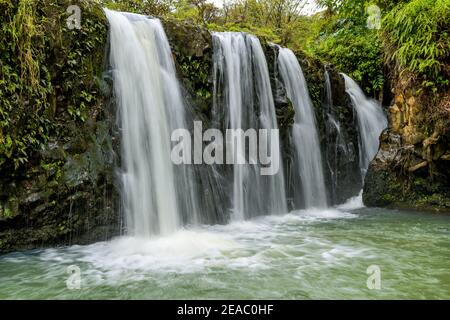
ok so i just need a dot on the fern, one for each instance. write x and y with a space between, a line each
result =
419 33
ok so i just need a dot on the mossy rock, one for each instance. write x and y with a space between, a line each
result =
75 120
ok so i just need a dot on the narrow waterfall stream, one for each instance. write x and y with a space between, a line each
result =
155 194
338 151
371 122
246 102
332 131
304 132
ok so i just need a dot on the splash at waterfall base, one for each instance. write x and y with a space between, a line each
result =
235 147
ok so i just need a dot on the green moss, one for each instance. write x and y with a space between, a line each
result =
53 169
420 182
41 60
24 82
196 74
9 209
191 47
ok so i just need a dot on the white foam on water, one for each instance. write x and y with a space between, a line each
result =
316 214
352 203
255 245
184 251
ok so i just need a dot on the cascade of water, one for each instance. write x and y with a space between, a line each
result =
157 196
371 122
304 132
243 100
335 141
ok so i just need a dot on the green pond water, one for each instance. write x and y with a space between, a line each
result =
308 254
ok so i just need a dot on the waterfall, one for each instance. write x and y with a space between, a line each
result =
243 100
336 145
157 196
304 132
371 122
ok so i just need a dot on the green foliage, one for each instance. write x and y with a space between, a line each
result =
278 20
24 82
348 43
418 37
196 11
77 68
150 7
196 73
331 6
47 73
414 35
355 51
262 32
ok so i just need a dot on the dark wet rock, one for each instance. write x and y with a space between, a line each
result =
285 117
340 149
411 169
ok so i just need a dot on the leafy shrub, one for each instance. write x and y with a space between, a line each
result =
348 43
417 36
355 51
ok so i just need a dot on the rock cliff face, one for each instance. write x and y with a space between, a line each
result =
412 167
340 147
64 190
